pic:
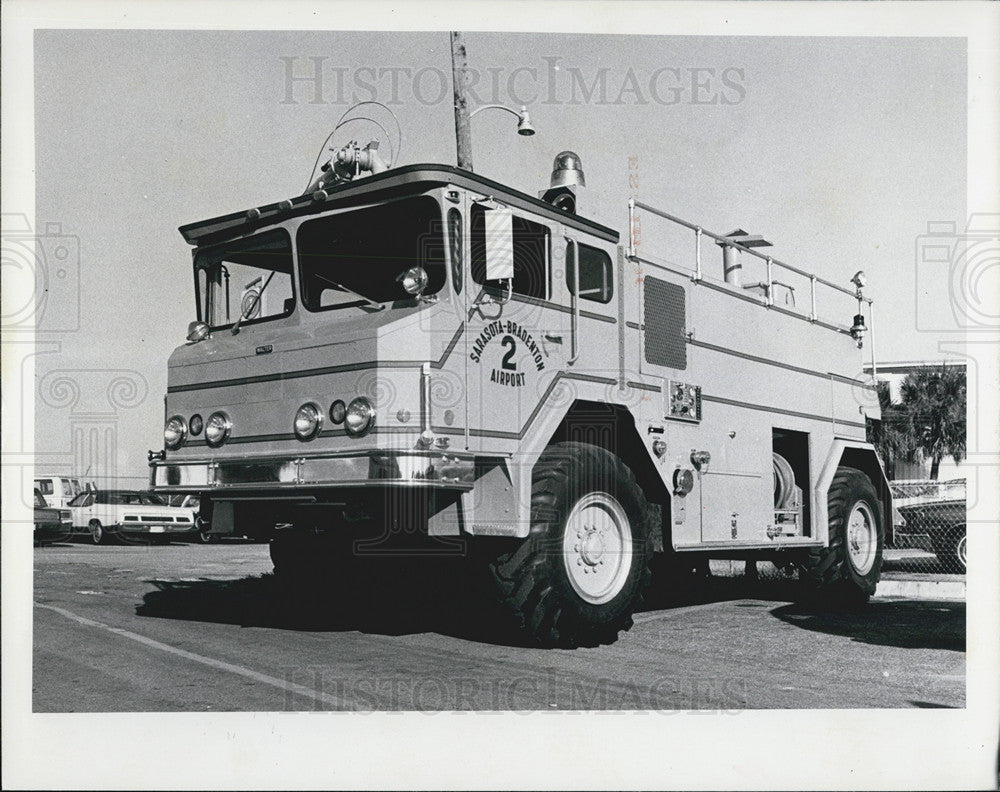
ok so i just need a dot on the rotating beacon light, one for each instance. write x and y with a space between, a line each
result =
567 177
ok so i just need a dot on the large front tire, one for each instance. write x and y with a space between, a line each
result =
847 570
579 575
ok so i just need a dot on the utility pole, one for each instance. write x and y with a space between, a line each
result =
463 135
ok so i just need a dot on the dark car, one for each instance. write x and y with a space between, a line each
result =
51 525
942 521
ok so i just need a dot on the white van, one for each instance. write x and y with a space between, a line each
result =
58 490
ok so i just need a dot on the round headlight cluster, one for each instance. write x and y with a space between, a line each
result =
360 417
174 432
308 421
217 429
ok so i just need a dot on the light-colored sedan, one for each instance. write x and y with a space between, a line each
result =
130 515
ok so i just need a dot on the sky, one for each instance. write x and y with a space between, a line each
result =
838 150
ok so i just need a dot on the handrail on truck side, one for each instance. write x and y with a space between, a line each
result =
769 261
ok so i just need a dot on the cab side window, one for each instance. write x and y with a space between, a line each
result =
531 254
595 273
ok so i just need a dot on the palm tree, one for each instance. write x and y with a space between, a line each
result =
893 436
935 401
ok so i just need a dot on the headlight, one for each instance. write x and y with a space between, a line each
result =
196 424
217 428
360 417
338 411
414 280
308 422
174 432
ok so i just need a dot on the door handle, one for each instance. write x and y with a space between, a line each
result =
574 303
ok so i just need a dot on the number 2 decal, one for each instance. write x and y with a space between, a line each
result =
507 363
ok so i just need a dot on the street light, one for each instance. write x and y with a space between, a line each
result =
524 126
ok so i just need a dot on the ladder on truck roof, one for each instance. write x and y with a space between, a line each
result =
770 263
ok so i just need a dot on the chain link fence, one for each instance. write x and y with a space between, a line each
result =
928 522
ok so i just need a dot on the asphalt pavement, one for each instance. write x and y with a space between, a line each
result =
187 627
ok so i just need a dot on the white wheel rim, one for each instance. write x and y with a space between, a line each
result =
862 538
96 531
962 551
597 548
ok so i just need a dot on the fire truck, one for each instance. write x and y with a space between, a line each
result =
422 353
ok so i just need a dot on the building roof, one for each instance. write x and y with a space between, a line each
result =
908 366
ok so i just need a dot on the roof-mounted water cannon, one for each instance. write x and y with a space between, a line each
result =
567 176
858 329
352 160
348 163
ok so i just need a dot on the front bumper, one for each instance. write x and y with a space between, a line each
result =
421 469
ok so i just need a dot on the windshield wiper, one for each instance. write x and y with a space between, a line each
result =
359 295
256 301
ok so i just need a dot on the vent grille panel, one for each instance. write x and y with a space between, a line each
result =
665 320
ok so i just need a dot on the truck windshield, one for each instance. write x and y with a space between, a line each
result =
230 280
355 259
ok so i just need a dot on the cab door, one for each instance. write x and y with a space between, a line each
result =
517 341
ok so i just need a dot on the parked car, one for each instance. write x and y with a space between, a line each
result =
130 514
938 520
51 525
58 491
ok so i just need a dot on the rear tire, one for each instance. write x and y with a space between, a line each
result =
98 535
204 537
580 573
847 570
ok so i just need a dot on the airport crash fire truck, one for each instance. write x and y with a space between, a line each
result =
420 350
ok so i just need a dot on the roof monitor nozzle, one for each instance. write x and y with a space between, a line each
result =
567 176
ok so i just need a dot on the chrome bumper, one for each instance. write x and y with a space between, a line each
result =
156 528
430 469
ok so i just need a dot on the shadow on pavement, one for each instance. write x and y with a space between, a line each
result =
402 599
410 598
907 624
400 605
